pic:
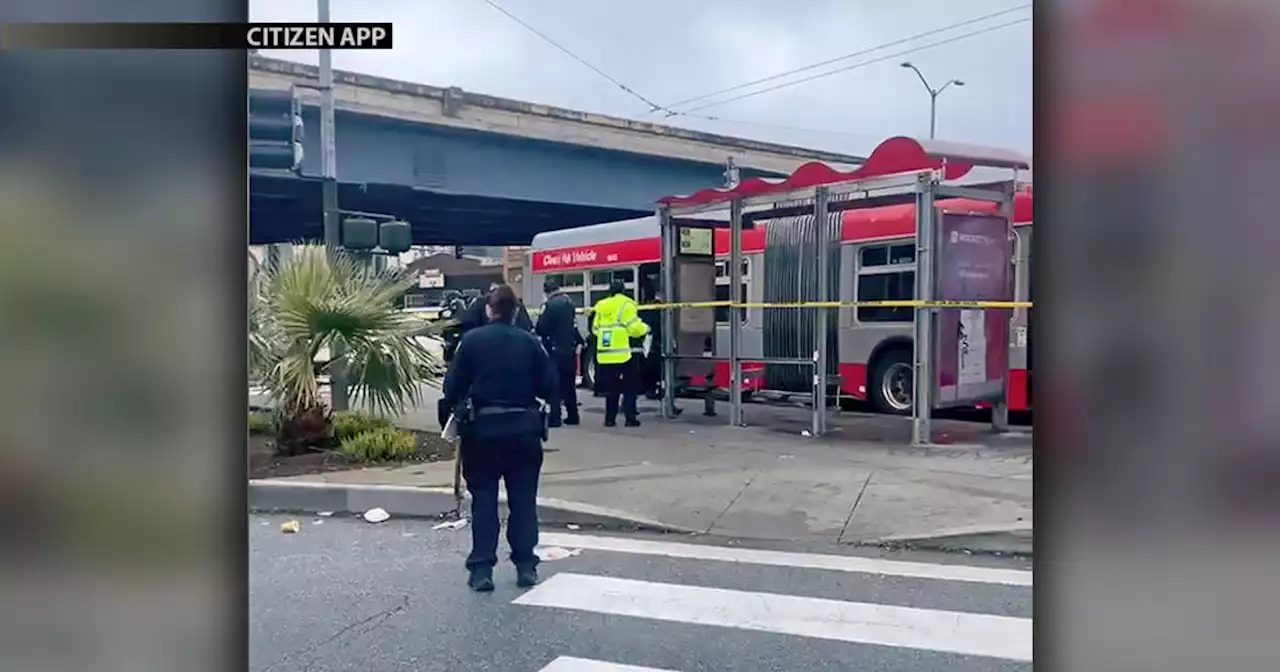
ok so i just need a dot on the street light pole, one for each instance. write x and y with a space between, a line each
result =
933 114
328 145
329 197
933 96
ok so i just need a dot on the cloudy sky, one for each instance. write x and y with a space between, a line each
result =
668 51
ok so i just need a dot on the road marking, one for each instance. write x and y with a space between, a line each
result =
570 664
838 563
948 631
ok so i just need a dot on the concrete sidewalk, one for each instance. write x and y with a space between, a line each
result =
765 481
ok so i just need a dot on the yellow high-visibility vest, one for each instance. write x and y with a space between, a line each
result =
615 323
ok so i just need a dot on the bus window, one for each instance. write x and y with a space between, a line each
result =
627 275
874 256
599 294
722 312
567 280
722 268
600 282
902 254
888 255
900 286
722 289
879 280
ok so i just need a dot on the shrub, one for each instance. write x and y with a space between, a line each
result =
261 422
380 445
348 424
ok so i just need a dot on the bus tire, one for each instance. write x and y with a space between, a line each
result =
890 371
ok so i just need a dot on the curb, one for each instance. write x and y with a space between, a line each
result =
997 540
434 503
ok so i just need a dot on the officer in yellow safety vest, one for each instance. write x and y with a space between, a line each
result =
615 323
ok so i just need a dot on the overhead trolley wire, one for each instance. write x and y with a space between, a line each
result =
821 75
831 61
653 107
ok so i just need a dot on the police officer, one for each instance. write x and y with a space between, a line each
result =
615 323
475 315
498 376
558 328
652 375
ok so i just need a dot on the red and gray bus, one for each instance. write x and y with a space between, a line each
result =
875 262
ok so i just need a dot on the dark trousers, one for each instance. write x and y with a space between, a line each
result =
517 460
620 381
652 373
566 363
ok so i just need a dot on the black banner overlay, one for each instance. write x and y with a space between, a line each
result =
195 36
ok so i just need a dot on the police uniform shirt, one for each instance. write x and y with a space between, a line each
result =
501 365
557 323
475 316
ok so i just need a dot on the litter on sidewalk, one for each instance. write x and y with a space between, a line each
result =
550 553
289 526
377 515
452 525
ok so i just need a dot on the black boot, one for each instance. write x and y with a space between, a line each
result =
633 422
526 577
481 579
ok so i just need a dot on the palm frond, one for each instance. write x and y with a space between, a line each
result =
323 299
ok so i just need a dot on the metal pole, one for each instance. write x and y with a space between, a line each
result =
329 195
328 145
922 386
1000 411
933 113
735 324
821 196
668 345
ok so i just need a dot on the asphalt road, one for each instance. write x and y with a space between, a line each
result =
343 594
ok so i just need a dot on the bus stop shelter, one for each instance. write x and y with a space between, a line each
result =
952 278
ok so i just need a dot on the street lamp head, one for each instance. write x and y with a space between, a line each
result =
907 64
958 82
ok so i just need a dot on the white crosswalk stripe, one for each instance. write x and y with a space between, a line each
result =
998 636
840 563
571 664
863 623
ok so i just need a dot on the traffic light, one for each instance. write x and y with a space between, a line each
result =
359 234
366 235
396 237
275 129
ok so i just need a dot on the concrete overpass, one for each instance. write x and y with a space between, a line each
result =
502 169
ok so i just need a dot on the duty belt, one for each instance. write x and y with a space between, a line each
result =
504 410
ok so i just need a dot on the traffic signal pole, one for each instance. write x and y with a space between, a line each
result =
329 195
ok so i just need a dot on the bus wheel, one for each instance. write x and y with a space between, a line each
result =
890 387
594 382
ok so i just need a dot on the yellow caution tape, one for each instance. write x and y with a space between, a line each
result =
994 305
985 305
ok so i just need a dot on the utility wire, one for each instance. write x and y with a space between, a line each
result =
847 68
780 127
838 59
653 107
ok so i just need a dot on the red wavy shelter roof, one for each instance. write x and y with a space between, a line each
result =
895 155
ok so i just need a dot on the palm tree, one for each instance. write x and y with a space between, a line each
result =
318 302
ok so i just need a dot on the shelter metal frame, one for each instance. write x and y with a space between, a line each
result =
923 186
